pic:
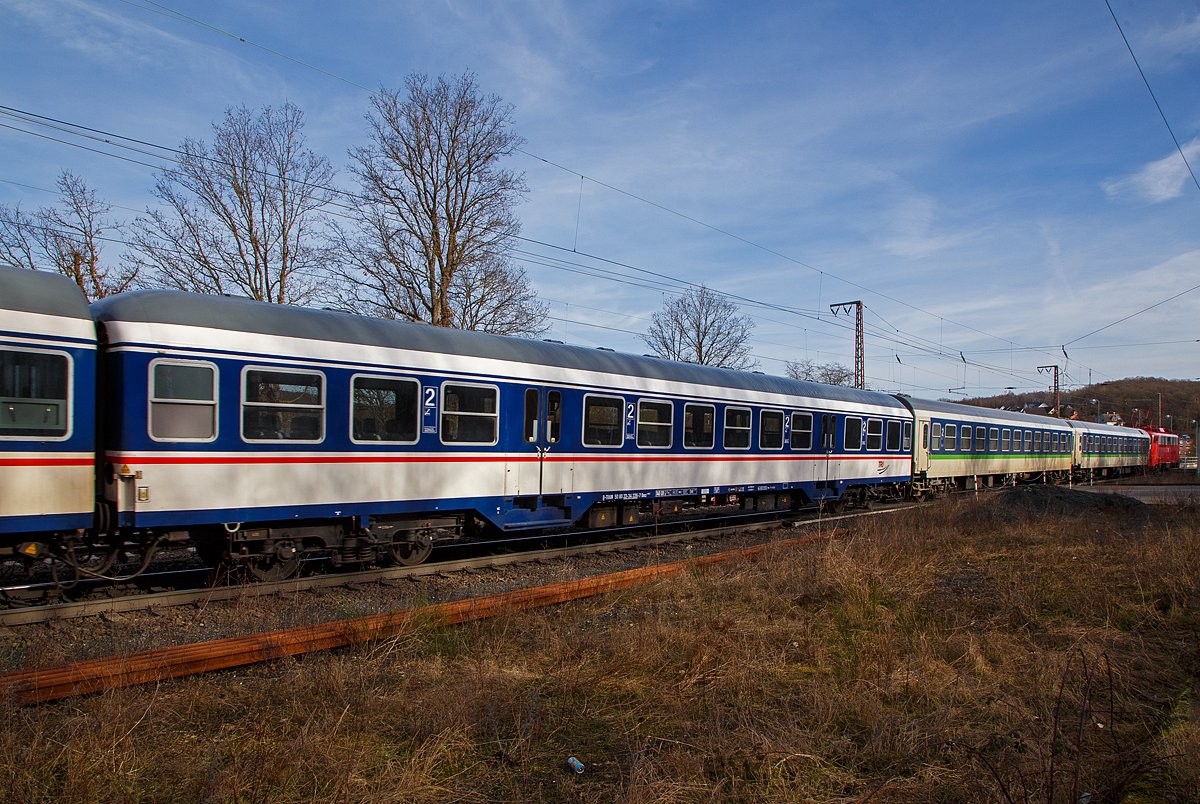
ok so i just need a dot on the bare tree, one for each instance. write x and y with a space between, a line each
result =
703 327
66 238
828 373
438 225
242 216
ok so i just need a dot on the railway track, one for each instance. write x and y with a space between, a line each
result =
79 678
137 598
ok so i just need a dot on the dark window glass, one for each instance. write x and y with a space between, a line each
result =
532 404
699 426
874 434
853 436
980 439
1006 440
770 429
33 394
802 425
183 402
908 436
385 409
554 416
966 438
737 428
952 437
283 405
893 436
994 439
602 421
469 414
654 423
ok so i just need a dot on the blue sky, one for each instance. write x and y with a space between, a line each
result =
990 179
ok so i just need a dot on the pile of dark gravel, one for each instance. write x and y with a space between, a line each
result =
1037 502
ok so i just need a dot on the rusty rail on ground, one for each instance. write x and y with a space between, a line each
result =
95 675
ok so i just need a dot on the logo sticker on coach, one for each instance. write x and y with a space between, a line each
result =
880 470
429 409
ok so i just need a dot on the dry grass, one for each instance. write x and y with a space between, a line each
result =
920 659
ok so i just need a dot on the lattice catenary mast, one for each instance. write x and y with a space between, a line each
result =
860 369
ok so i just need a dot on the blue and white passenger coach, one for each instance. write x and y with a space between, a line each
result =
47 408
278 429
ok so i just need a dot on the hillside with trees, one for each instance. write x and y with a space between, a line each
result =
1134 399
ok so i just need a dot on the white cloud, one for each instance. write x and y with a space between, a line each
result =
1160 180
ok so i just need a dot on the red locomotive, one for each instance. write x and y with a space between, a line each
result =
1164 448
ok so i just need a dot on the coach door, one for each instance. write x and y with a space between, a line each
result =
921 447
542 468
828 445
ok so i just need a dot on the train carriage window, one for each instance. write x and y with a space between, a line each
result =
1054 442
936 442
603 418
1037 440
1006 440
384 409
874 434
533 410
892 443
908 435
1028 441
802 430
951 433
470 414
994 439
737 428
966 437
554 416
183 402
770 429
283 405
654 423
853 436
699 426
34 394
980 439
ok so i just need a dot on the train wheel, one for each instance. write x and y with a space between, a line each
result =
279 564
410 554
272 569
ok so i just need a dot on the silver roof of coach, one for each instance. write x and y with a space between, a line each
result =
43 292
246 315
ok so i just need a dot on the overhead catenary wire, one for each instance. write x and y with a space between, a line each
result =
940 353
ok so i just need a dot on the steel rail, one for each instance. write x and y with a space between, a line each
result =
80 678
137 602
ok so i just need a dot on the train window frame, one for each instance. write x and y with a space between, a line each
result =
935 439
762 431
748 429
950 434
893 425
966 435
981 436
1006 440
669 424
906 437
152 400
1037 441
689 408
416 420
874 440
993 441
1054 441
1028 444
620 429
68 403
798 416
443 413
244 404
858 442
